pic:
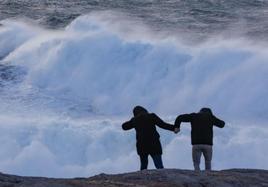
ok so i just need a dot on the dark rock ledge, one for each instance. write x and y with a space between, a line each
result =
151 178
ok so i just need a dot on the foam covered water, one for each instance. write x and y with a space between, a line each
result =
68 148
63 117
91 61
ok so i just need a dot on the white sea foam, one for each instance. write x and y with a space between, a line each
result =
69 148
96 67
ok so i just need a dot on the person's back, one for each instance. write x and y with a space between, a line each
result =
202 128
147 137
145 127
201 134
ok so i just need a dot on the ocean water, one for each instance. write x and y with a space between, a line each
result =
71 72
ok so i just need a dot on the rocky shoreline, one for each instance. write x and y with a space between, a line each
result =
150 178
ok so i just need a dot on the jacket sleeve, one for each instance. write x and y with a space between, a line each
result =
217 122
183 118
128 125
160 123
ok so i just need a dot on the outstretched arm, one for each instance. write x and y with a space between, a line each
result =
217 122
128 125
160 123
183 118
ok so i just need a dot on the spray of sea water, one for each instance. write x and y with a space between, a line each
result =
64 94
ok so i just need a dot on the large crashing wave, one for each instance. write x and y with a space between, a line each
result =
90 60
100 68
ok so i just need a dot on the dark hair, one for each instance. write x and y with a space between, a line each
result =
139 110
206 110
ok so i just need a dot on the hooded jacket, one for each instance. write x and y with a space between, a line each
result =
202 126
146 134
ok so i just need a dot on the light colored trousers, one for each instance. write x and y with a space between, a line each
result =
197 151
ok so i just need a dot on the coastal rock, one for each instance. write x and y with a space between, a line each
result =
150 178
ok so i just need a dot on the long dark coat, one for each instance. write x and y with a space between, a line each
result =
146 134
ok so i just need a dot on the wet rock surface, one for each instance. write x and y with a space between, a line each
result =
150 178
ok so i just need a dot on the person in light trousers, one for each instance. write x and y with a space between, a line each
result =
202 124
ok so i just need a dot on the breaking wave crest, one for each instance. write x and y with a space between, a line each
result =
98 67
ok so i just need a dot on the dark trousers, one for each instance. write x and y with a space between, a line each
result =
156 158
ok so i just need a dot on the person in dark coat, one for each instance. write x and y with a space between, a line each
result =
148 139
201 134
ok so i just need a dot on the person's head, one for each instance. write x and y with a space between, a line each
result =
206 110
138 110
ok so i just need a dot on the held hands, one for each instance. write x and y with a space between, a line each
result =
176 130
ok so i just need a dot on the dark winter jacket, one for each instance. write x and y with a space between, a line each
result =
146 135
202 126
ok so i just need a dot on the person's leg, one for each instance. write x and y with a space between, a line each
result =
196 155
144 161
207 151
157 161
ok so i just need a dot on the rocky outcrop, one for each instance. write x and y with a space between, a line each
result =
150 178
